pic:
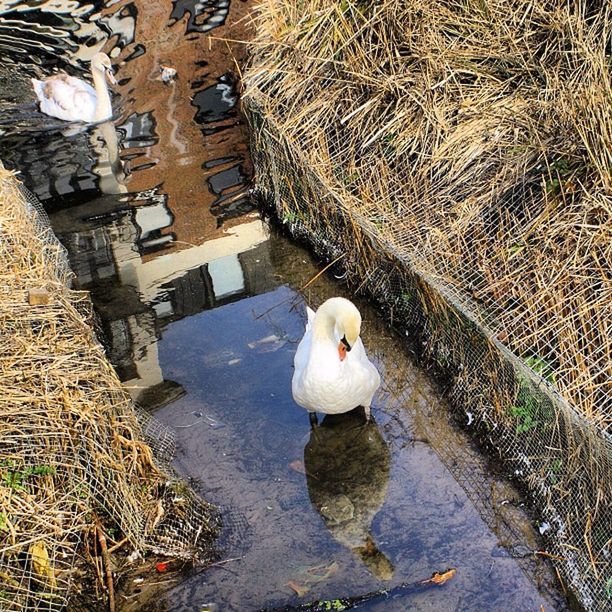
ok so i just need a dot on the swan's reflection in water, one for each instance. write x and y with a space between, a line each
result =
108 165
347 472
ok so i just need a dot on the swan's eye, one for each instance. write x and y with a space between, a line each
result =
345 342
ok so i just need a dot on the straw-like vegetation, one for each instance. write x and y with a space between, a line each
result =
73 464
475 138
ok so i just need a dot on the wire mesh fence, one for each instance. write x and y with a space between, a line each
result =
423 148
564 460
74 452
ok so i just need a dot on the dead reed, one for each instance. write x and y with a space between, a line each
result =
474 137
71 448
457 156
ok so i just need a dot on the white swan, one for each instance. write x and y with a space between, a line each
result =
71 99
332 371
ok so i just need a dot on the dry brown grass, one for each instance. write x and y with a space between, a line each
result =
71 447
475 137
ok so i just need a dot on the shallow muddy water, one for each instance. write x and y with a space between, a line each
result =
202 310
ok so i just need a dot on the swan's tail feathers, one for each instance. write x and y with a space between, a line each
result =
38 88
311 316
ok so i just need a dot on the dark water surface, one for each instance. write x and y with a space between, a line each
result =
201 305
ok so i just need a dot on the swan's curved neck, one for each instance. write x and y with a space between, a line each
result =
104 109
323 326
329 321
337 318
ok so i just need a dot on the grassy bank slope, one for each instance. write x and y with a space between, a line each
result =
476 136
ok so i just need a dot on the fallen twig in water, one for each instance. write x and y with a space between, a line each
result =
345 603
312 280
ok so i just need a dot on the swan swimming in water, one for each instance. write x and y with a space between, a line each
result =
72 99
332 371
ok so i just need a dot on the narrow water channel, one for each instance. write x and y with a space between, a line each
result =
202 307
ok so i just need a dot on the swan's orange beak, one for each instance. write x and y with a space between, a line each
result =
343 348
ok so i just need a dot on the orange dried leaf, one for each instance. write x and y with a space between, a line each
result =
298 588
440 577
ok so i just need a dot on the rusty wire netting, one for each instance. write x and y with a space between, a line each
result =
73 450
456 156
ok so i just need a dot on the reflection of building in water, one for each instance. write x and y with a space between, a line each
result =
199 146
347 466
127 199
177 137
137 297
50 32
74 164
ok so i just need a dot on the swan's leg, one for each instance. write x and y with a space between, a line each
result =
313 419
367 413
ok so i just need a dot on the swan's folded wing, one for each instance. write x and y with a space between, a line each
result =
68 92
300 360
85 105
359 352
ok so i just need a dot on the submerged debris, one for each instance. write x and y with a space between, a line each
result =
168 74
384 595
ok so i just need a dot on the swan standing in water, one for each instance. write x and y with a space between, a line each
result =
332 371
71 99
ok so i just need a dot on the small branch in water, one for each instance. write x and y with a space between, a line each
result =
265 312
224 561
329 265
312 280
345 603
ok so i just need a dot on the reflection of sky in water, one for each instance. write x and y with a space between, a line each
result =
227 276
217 102
204 15
65 32
363 506
138 131
225 179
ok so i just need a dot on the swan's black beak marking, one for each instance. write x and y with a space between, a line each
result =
346 344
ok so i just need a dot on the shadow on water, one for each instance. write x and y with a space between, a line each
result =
347 464
201 308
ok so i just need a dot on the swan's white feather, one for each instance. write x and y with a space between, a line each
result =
72 99
323 383
66 97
